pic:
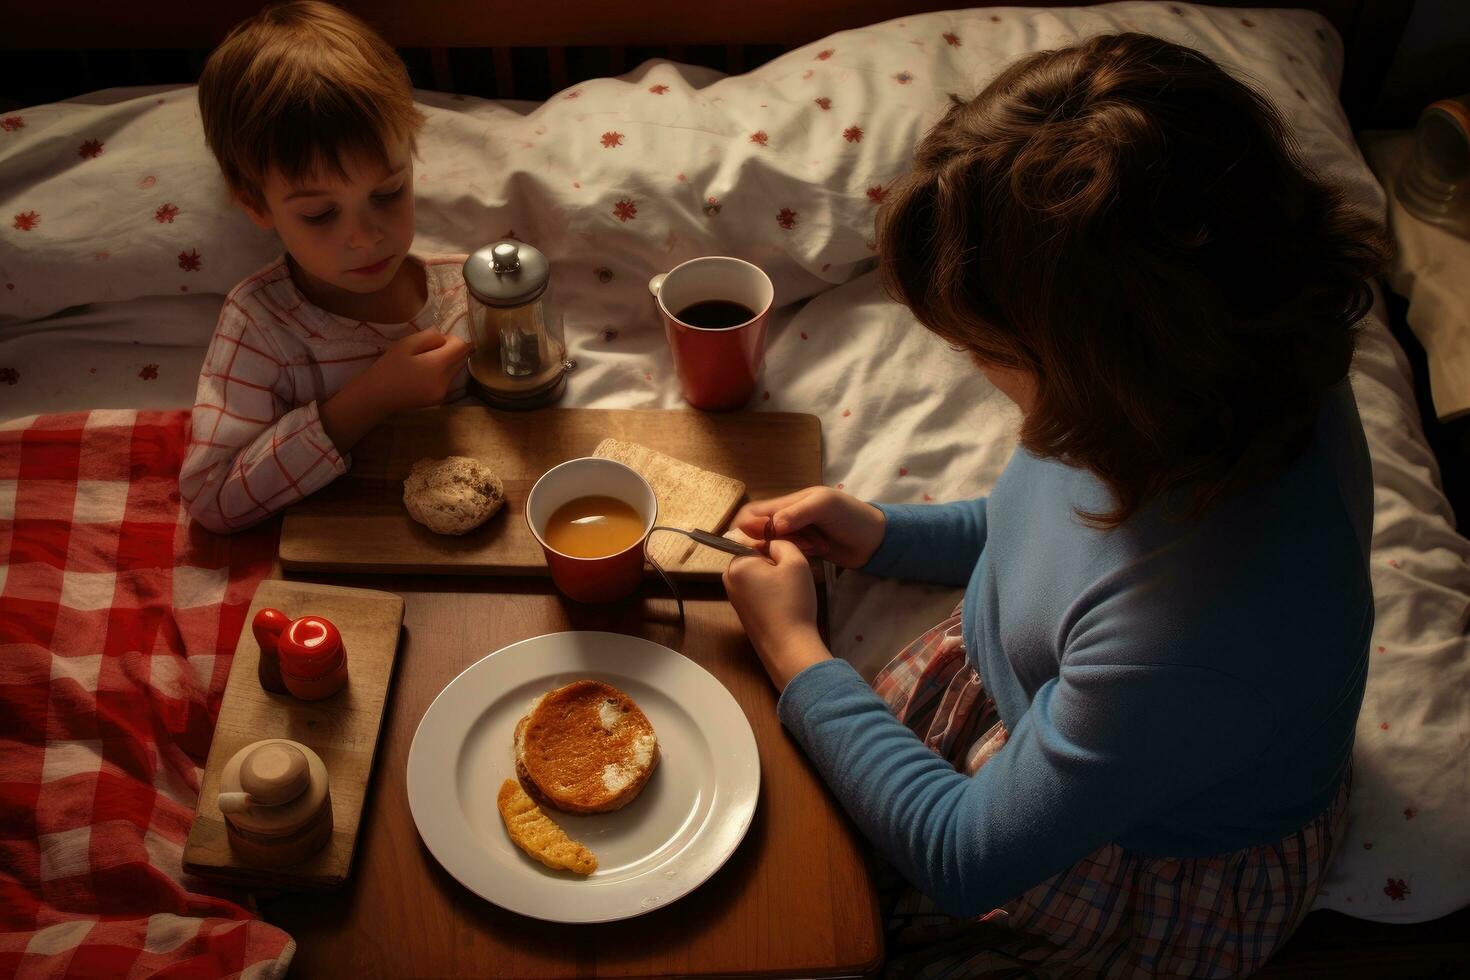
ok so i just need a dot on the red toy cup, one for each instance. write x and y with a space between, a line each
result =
717 367
313 659
611 577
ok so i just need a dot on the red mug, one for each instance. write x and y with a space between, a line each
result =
611 577
717 366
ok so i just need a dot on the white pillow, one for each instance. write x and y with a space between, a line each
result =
110 202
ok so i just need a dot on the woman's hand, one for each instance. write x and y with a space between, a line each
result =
822 522
777 605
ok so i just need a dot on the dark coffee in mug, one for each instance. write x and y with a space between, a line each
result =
715 309
716 314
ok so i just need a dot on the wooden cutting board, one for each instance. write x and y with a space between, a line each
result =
342 729
358 523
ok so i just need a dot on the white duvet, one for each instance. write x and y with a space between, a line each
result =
113 201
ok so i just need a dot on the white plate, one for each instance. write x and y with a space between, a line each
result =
688 820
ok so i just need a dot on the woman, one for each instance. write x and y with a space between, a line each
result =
1128 751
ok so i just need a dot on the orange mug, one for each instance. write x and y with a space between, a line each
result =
717 355
610 577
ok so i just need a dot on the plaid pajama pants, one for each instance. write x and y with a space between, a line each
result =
1112 914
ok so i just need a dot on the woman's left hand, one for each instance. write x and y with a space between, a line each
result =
777 605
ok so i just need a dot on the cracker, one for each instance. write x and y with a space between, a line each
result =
688 497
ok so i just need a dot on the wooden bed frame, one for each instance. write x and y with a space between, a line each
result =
62 48
520 51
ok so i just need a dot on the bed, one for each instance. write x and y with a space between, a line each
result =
118 243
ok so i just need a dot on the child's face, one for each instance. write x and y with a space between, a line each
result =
352 234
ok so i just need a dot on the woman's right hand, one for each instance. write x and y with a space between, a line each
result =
821 521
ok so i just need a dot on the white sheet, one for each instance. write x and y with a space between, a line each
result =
903 418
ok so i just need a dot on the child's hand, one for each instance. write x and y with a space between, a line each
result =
416 371
822 522
777 605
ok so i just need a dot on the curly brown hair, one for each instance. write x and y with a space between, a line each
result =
1129 224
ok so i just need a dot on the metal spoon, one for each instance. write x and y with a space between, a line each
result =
716 542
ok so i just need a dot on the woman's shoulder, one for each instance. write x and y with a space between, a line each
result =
1323 492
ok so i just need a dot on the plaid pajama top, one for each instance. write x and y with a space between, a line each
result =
257 442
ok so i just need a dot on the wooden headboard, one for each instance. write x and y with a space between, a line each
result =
529 50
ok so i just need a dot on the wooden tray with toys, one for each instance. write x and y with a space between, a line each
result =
288 770
700 465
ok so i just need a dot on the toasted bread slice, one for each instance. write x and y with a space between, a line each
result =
585 748
527 783
538 835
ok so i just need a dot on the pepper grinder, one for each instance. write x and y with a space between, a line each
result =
276 802
519 360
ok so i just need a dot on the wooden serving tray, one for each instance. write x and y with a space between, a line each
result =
342 729
359 524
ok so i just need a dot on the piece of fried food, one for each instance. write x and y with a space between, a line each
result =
585 747
538 835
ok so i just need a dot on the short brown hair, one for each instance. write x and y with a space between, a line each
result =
1131 225
298 87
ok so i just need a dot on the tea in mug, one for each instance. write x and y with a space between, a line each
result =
716 314
593 527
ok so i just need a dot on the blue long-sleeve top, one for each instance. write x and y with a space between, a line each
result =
1178 688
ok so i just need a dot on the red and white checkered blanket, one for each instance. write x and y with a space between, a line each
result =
118 622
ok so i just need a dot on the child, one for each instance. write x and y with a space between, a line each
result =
311 117
1129 749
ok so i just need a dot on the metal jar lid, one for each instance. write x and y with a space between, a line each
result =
507 273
